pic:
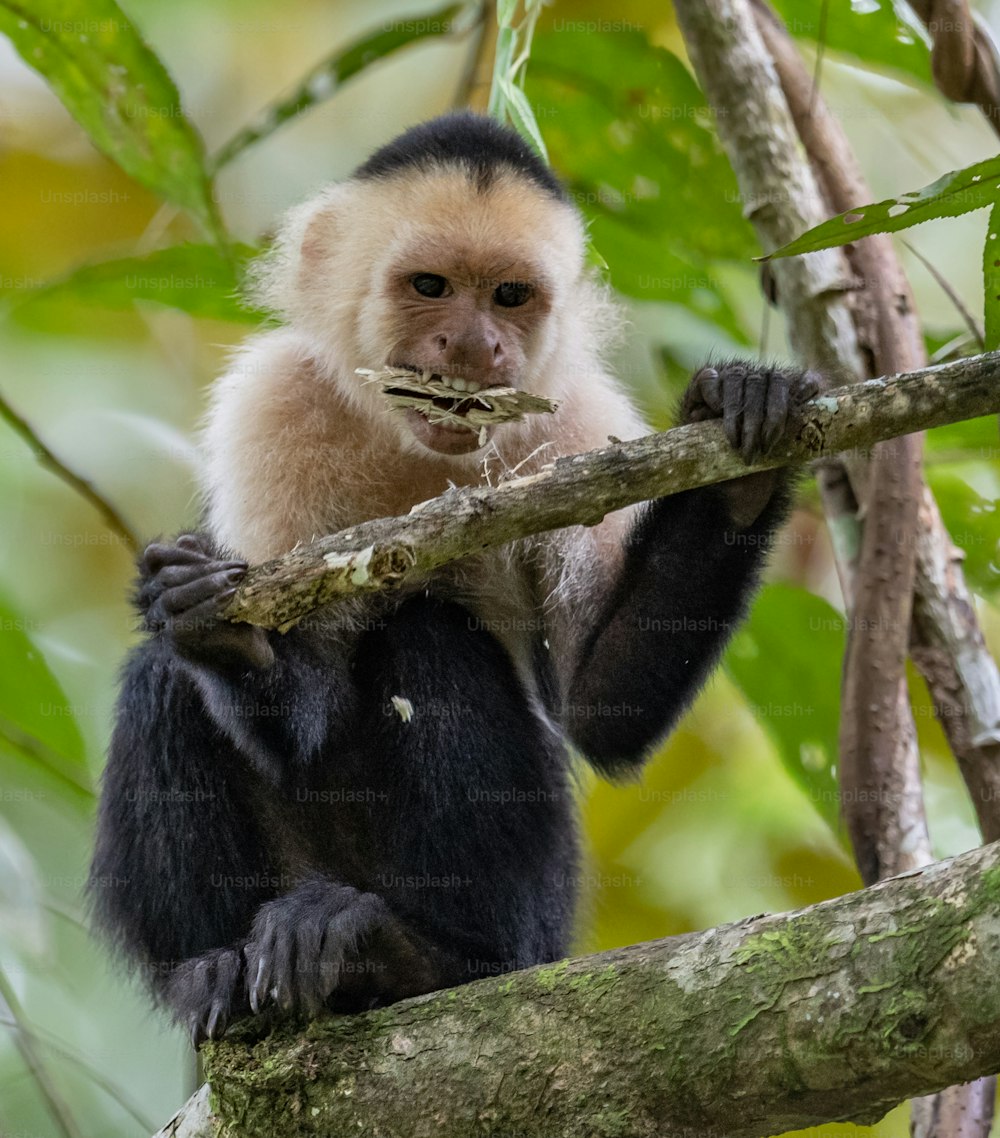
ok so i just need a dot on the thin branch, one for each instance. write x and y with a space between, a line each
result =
44 1039
60 1113
879 762
951 293
85 489
582 489
72 776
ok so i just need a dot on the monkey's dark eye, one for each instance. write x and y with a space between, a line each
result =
429 284
512 294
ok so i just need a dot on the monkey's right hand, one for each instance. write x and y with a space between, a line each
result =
182 590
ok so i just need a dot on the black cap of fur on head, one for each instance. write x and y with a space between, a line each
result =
480 144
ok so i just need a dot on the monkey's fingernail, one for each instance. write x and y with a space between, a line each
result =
257 987
236 575
213 1030
226 595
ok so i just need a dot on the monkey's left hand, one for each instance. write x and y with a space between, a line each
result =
756 404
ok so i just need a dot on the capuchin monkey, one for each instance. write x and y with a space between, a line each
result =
379 803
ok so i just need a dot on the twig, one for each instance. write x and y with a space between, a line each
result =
74 778
85 489
44 1039
58 1110
945 286
581 489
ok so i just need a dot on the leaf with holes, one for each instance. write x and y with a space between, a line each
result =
93 57
991 280
881 36
961 191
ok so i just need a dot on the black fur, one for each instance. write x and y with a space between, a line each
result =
479 144
343 818
649 654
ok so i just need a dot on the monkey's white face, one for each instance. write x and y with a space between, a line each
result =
431 272
470 318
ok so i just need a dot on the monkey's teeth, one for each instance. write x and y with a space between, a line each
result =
457 383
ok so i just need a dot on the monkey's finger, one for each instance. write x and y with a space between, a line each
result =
809 385
776 416
755 404
331 957
191 594
159 554
283 971
217 1018
732 407
192 541
171 576
709 387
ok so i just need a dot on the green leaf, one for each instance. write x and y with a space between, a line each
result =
115 87
37 720
523 117
197 279
506 11
971 517
632 135
966 441
332 73
875 36
961 191
786 659
991 280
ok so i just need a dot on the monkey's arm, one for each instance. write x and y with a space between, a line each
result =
691 562
181 864
200 874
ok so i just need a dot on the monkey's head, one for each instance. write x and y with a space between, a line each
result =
454 251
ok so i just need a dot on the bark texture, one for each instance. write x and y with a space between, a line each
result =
582 489
835 1012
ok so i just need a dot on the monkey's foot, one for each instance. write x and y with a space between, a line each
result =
205 992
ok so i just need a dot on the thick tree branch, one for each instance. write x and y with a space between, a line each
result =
879 763
582 489
879 767
835 1012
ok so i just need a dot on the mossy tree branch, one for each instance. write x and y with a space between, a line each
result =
835 1012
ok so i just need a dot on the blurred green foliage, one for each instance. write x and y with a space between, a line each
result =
120 284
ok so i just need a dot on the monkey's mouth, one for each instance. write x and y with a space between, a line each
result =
440 419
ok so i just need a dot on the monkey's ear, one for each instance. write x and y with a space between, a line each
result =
306 240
